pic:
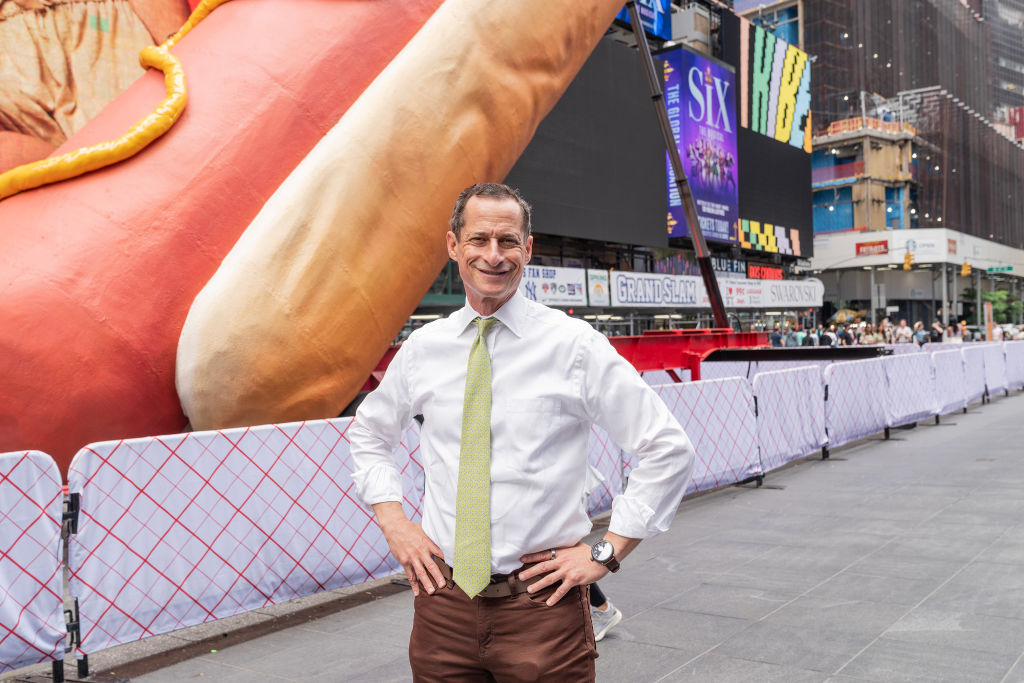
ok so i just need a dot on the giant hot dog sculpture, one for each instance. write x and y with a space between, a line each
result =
305 303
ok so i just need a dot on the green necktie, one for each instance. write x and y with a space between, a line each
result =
472 570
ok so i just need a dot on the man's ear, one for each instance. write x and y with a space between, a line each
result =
452 241
529 249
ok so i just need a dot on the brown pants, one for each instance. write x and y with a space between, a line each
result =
517 638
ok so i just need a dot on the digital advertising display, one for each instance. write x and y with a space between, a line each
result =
775 87
700 97
655 15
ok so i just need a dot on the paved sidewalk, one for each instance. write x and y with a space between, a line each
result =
899 560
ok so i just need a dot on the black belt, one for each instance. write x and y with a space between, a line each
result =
501 585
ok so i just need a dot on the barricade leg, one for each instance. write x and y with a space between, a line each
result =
58 671
886 433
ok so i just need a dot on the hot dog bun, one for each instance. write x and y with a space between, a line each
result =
310 297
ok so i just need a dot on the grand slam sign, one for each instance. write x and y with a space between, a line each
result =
700 96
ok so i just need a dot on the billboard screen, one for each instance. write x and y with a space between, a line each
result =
595 167
655 15
776 206
700 97
775 87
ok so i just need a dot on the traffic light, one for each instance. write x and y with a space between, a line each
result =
965 269
908 260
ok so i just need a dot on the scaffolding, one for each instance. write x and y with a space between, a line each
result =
887 46
923 66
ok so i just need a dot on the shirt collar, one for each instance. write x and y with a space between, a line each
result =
511 315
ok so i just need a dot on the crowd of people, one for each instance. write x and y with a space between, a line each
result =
865 333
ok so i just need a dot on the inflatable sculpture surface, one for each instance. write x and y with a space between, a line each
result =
253 263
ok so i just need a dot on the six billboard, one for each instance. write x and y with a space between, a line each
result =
700 97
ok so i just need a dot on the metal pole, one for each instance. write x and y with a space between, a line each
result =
955 294
945 300
874 298
935 309
977 293
685 194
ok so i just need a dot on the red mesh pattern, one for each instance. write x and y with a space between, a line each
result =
949 381
995 368
910 390
180 530
790 415
1014 363
718 416
855 407
31 595
605 456
974 371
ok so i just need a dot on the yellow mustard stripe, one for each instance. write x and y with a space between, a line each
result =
155 124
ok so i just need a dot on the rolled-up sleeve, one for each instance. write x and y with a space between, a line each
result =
376 432
638 420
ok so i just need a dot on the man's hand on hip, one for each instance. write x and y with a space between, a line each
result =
411 547
572 566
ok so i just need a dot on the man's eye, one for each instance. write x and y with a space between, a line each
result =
509 243
476 241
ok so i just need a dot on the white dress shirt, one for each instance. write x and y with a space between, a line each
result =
552 376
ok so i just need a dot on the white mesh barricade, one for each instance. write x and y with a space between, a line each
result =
31 593
605 456
941 346
179 530
910 392
728 368
790 415
950 381
1014 364
773 365
974 371
854 400
995 368
718 416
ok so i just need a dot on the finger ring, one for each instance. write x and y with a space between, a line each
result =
552 553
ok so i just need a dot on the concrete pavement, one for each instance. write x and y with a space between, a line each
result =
899 560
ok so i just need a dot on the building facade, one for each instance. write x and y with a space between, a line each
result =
913 130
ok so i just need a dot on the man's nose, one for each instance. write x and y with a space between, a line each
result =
493 251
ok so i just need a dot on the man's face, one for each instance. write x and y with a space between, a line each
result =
490 251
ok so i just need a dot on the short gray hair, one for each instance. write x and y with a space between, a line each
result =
490 191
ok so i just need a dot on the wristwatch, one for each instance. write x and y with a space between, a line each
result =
603 552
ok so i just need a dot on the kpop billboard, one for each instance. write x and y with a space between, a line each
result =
700 96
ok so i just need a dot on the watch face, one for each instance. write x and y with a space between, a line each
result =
602 551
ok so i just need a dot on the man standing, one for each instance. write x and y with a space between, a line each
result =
508 390
903 334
